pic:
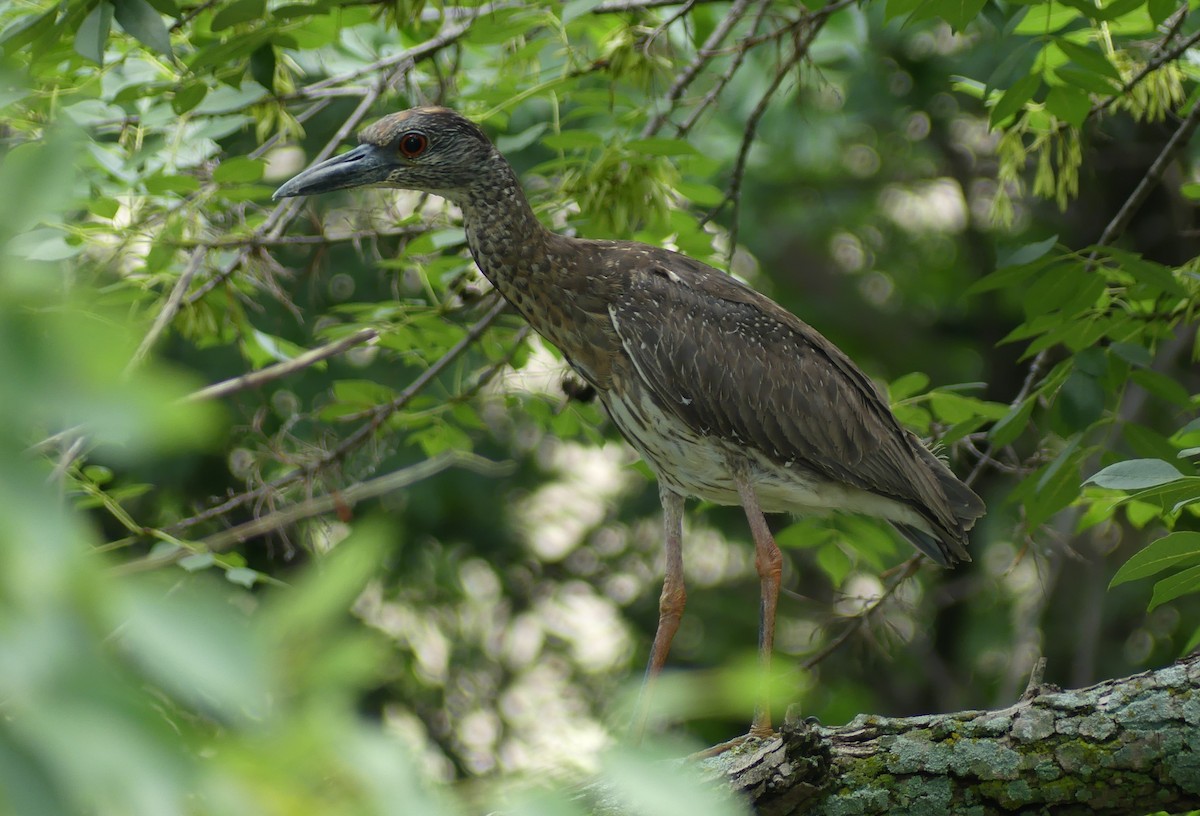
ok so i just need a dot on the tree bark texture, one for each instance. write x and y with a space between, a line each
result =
1128 746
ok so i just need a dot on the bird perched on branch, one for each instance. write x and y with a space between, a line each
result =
728 396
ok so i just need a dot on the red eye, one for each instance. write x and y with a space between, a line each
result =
413 144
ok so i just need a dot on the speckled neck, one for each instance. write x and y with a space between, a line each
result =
506 238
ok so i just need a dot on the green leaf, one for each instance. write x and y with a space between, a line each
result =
262 66
1160 385
907 385
576 8
1168 589
162 184
573 140
1135 474
951 407
239 170
1054 487
834 562
1132 353
1160 10
1010 427
242 576
1069 104
959 13
241 11
93 32
516 142
1088 81
362 393
898 8
195 642
661 146
705 195
188 96
1026 253
1169 551
1015 98
1046 19
435 241
1088 59
104 207
804 534
1060 285
1118 8
141 21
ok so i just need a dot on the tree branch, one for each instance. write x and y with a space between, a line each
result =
378 416
275 372
1128 746
317 506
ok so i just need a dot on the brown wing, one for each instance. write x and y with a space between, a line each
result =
734 364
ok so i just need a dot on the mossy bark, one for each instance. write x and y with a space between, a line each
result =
1129 746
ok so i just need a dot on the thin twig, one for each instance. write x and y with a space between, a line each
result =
447 36
907 570
667 23
168 311
192 14
301 117
285 211
359 436
618 6
274 372
1153 176
1151 66
299 240
734 192
318 506
739 57
693 69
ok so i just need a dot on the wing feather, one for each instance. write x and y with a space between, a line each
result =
732 363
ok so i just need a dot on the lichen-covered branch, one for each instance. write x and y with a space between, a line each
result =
1129 746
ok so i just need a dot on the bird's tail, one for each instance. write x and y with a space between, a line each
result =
951 515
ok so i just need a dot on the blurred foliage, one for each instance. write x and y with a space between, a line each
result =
971 198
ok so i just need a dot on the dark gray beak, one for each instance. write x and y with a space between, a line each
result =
364 165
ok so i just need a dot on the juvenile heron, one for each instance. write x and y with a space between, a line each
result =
726 395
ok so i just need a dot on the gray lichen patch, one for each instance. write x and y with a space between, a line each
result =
1067 700
1047 771
1097 727
1184 770
859 803
1033 725
915 753
985 759
1191 711
1152 709
988 726
1138 752
1076 757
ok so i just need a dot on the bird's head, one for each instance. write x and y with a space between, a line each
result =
434 150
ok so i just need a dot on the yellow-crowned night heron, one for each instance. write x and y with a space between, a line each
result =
728 396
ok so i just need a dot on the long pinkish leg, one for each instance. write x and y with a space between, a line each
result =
670 603
769 563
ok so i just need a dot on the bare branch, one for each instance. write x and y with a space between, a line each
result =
1153 176
904 572
702 58
274 372
1118 747
169 309
379 415
318 506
